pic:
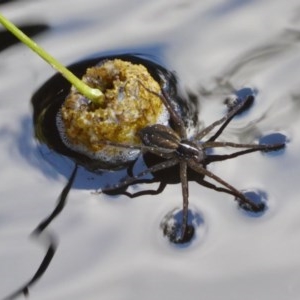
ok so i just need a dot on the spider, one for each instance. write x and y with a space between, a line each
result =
163 148
172 148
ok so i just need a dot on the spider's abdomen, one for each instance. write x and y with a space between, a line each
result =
188 150
160 137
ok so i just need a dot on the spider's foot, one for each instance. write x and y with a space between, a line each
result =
254 202
275 147
255 208
273 141
177 232
187 235
245 103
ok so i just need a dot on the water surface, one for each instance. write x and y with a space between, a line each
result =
112 247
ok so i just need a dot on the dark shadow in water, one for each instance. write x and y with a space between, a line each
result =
8 40
8 1
51 164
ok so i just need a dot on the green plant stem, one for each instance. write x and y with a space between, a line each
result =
95 95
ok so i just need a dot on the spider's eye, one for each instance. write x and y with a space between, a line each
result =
190 150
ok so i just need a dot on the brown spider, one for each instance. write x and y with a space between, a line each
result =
175 149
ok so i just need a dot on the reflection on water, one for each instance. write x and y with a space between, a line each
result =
115 249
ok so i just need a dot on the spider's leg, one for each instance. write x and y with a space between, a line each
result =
175 117
185 196
212 186
132 180
51 240
239 196
232 114
225 120
256 147
213 158
164 97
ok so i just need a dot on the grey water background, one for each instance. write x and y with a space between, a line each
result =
112 247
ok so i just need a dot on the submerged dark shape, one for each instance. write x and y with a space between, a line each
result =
170 153
7 39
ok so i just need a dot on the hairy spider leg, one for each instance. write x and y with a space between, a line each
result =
185 196
210 143
164 97
215 157
255 147
51 240
212 186
239 196
236 110
226 120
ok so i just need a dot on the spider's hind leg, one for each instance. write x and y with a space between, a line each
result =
242 200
